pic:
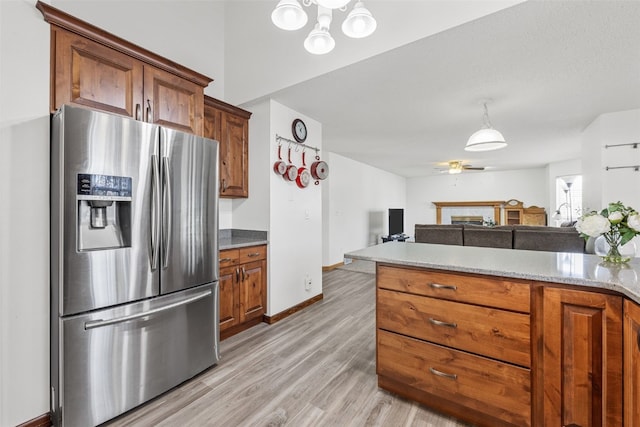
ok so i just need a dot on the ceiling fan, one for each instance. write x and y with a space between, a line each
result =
457 166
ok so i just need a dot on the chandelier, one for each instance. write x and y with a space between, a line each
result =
289 15
486 138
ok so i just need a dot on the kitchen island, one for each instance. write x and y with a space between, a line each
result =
508 337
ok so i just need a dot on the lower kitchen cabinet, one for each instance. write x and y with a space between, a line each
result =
631 364
243 288
581 358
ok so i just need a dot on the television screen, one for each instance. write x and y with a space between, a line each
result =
396 221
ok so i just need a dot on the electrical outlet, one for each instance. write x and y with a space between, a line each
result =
307 283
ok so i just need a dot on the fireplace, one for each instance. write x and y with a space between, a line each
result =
467 219
470 212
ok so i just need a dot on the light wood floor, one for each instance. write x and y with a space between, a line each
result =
315 368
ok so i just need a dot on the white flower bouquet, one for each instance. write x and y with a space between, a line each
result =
617 223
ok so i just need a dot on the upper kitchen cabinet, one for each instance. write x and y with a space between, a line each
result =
230 126
96 69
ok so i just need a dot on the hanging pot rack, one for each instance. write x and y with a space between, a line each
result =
280 139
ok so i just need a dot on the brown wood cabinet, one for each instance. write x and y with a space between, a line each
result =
457 342
631 364
93 68
534 215
243 288
230 126
581 358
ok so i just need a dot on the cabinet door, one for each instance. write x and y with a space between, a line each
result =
212 125
173 101
252 290
582 358
229 294
631 364
234 156
90 74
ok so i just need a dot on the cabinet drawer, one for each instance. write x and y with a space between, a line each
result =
494 388
229 257
482 290
490 332
253 253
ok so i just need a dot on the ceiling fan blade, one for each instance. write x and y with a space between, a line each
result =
470 168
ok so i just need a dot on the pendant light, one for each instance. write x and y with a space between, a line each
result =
487 138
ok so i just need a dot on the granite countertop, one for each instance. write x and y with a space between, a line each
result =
234 238
557 267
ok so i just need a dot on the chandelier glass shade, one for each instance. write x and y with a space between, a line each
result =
289 15
487 138
319 41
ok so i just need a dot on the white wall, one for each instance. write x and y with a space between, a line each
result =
24 164
600 186
527 185
24 217
356 199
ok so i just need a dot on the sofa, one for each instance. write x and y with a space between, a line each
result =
528 237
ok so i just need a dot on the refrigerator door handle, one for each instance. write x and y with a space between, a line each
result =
101 322
166 212
155 212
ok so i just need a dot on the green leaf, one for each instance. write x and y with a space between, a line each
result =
627 234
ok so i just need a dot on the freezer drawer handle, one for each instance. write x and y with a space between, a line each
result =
100 322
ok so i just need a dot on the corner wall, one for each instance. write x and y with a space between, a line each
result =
356 199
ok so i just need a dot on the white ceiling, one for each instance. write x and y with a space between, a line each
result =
551 67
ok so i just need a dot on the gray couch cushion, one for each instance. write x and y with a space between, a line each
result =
490 237
444 234
552 239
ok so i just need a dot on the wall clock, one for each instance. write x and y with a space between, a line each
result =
299 130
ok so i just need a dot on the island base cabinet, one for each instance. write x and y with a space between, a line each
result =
581 358
438 373
631 364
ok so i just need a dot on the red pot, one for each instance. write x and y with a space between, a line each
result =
304 177
319 170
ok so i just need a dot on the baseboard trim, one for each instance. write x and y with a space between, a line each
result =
41 421
239 328
288 312
332 267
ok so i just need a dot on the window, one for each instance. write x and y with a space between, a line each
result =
568 198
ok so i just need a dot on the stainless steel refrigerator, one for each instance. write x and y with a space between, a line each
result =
134 265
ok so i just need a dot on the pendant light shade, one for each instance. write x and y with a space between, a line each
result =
333 4
487 138
359 22
319 41
289 15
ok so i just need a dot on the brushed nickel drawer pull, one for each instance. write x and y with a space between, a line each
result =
441 323
443 374
226 259
254 254
439 286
